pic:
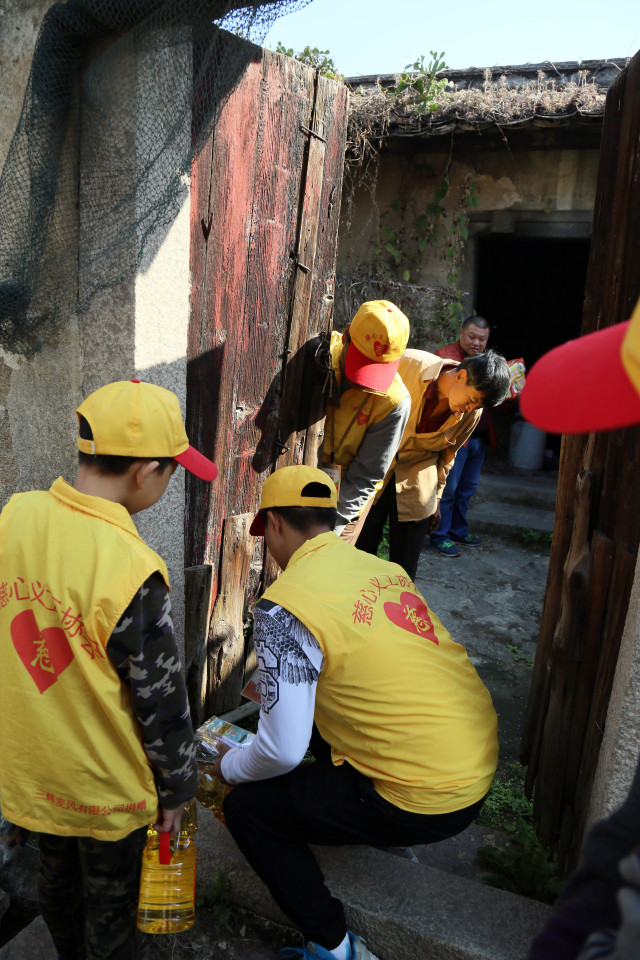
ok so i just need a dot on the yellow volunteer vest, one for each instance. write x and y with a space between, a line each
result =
71 756
396 697
346 424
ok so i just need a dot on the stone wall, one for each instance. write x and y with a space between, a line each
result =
527 192
137 328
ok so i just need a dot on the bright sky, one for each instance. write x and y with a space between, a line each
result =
372 36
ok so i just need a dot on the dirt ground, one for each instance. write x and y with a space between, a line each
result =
491 597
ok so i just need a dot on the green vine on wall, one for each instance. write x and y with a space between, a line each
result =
433 232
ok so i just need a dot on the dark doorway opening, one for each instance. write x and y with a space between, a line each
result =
531 291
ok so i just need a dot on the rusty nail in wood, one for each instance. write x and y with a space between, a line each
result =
312 133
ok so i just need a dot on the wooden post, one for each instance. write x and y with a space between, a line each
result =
225 674
197 590
595 540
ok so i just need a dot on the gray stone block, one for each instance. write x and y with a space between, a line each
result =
32 943
403 910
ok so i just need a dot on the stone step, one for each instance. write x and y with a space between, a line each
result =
32 943
508 519
533 490
404 910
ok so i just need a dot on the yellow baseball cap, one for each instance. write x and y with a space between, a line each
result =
285 488
130 418
379 333
563 392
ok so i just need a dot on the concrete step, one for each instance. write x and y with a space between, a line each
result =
32 943
404 910
530 490
507 505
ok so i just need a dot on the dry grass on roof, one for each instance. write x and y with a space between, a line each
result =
495 102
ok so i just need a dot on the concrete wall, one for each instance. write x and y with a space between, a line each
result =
137 328
620 752
546 193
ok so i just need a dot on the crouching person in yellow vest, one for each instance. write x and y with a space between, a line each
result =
353 661
367 410
96 740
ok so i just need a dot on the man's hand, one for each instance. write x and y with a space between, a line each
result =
216 767
434 519
170 820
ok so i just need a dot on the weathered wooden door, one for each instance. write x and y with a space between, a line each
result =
264 217
597 525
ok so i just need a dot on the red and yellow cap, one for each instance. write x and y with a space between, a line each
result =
563 392
379 333
285 488
130 418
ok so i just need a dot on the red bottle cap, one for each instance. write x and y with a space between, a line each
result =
164 850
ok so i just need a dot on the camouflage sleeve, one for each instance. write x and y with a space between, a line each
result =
143 651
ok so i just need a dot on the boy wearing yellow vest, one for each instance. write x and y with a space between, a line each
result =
96 740
446 402
404 732
367 410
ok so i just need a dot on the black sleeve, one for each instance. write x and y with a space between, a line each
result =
143 651
588 902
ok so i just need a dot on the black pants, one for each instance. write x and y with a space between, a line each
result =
273 821
89 892
406 538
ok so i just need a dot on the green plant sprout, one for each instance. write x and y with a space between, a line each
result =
320 60
216 899
418 85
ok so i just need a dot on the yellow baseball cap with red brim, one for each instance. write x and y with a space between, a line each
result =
379 333
285 488
588 384
131 418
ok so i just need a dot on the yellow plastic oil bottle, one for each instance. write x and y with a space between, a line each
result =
168 880
211 790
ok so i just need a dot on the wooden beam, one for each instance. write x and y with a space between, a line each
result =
225 674
197 594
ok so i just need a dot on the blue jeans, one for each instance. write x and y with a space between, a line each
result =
461 485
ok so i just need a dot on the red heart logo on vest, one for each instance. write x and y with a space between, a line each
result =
44 653
362 418
380 348
412 614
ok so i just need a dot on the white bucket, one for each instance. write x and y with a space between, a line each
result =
526 446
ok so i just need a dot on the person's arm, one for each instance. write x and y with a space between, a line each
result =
290 660
142 648
371 463
588 901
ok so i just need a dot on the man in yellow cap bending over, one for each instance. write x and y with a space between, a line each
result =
368 409
353 661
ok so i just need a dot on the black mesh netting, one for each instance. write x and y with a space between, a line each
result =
117 47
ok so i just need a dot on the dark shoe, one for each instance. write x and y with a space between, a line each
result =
469 540
446 548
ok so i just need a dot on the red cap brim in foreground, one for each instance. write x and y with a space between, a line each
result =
582 386
195 462
371 374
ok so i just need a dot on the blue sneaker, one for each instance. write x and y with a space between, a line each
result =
469 540
447 548
313 951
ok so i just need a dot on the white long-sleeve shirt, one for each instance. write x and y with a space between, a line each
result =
290 660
